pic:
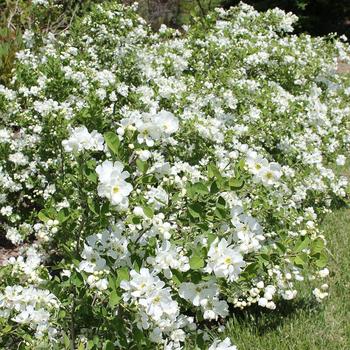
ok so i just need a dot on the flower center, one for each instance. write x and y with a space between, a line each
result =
269 175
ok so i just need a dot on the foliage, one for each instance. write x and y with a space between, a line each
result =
166 179
19 16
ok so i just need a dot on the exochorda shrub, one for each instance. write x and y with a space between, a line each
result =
166 179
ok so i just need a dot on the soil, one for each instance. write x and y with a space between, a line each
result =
7 251
343 67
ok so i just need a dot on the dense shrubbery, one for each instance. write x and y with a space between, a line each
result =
165 179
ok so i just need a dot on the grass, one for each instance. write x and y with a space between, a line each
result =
304 324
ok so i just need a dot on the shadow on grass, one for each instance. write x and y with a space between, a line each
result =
263 321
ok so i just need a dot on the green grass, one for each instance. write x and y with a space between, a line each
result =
305 324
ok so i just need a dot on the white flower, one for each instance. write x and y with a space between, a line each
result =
92 262
167 122
155 127
215 308
105 77
324 273
262 302
18 158
222 345
159 302
319 294
6 211
157 197
248 231
289 294
144 155
263 171
112 182
80 139
13 235
271 174
341 160
169 257
141 283
198 294
28 305
5 136
95 282
224 260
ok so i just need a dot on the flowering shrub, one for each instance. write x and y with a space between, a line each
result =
166 179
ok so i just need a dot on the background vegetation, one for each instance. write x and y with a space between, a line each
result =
317 17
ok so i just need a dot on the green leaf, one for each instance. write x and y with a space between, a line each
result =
42 216
142 166
108 345
199 188
76 279
301 259
66 341
177 277
63 215
196 261
211 238
221 203
214 188
148 211
322 260
123 275
317 246
302 244
252 268
281 247
47 214
213 171
236 183
112 141
7 329
220 213
93 206
91 175
90 344
114 299
196 210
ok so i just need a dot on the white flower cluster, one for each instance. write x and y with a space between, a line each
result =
158 310
152 128
224 260
80 139
106 244
205 295
29 306
222 345
112 184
